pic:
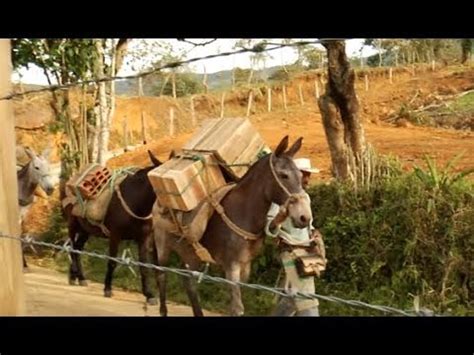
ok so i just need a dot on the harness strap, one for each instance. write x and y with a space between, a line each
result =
127 209
239 231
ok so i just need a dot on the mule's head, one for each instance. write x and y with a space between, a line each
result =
286 187
40 170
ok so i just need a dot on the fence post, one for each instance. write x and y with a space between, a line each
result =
125 135
269 99
171 121
12 296
193 113
249 106
300 89
222 104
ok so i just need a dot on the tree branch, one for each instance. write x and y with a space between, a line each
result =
197 44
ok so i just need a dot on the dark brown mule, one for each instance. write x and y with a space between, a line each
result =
274 178
139 196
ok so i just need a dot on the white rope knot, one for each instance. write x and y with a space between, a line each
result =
195 273
206 268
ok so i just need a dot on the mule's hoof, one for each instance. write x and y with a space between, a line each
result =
83 282
152 301
108 293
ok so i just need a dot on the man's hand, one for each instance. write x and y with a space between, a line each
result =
280 217
318 243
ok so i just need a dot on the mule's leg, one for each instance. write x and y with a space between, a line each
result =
161 253
233 274
73 226
245 272
143 257
25 264
113 251
190 286
79 245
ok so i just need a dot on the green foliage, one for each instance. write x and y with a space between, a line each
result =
68 60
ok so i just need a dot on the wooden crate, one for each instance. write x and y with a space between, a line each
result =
89 181
234 141
182 183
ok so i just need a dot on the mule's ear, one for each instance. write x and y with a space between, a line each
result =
30 153
295 147
46 153
154 160
281 146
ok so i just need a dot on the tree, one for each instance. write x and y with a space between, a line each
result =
313 57
258 58
68 61
339 109
466 48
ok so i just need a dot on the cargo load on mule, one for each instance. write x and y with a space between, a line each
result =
190 186
90 191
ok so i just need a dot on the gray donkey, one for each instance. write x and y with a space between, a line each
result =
35 172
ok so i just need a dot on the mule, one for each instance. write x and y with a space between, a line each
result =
273 178
128 217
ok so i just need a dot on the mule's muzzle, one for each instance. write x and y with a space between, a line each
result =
301 222
49 190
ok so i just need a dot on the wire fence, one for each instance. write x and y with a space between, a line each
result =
203 276
259 48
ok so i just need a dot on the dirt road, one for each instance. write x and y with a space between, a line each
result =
49 294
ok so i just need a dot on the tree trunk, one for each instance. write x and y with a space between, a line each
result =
101 106
466 45
250 76
339 109
106 94
173 84
204 81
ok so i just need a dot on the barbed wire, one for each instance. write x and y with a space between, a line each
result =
203 276
258 48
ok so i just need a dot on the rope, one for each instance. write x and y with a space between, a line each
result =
235 228
272 168
127 209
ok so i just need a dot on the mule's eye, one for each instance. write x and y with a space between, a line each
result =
284 176
37 167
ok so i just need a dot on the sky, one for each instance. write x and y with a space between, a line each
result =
34 75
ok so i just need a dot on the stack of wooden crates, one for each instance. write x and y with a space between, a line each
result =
227 144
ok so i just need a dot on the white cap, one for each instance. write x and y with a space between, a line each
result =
304 164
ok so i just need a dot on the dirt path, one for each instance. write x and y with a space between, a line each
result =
49 294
